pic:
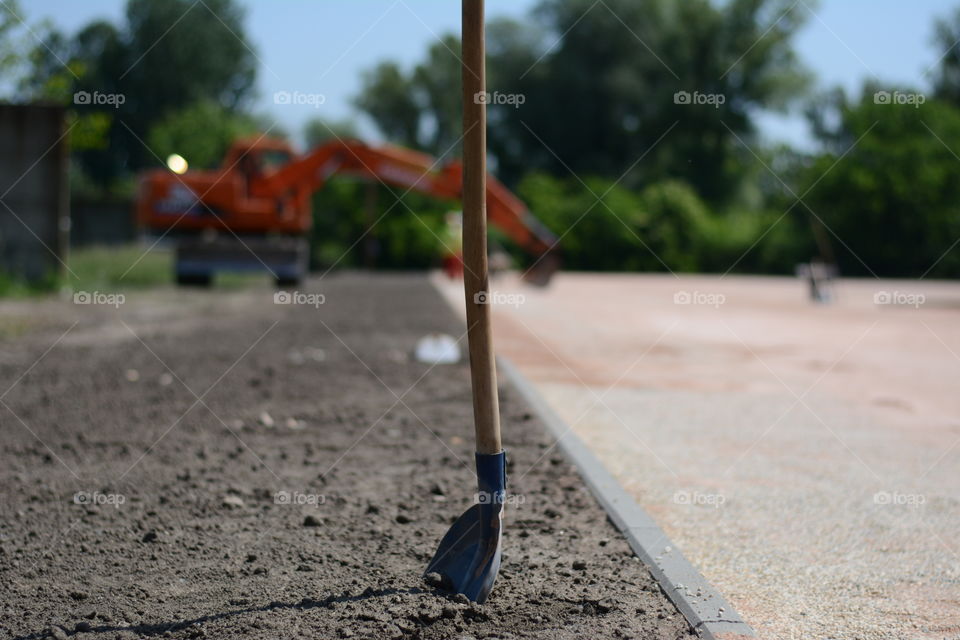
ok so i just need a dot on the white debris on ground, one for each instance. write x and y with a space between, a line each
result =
437 348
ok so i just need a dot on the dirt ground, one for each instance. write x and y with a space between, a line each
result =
188 464
805 457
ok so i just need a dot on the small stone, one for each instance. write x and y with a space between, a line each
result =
266 420
304 567
165 379
259 571
79 595
403 519
579 565
132 375
233 502
434 580
150 536
251 557
82 627
312 521
606 605
57 633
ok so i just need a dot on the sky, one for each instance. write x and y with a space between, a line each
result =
321 46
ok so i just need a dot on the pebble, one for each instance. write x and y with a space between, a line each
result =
233 501
82 627
166 379
266 420
434 579
132 375
315 354
403 519
150 536
57 633
312 521
579 565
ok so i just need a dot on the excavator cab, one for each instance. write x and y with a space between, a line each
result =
255 159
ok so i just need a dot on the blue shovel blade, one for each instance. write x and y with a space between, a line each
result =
468 557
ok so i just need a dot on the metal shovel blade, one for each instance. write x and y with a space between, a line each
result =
468 558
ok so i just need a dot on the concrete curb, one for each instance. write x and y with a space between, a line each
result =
699 602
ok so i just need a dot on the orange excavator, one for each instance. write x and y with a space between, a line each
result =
254 212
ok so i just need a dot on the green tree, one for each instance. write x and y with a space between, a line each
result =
885 187
201 133
591 88
167 56
608 93
387 96
319 131
419 109
946 35
11 46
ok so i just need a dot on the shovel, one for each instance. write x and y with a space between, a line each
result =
468 558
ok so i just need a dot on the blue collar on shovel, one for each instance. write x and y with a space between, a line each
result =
468 558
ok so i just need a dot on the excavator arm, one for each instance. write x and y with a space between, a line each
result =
414 171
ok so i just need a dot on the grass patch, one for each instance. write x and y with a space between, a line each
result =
114 268
13 287
123 267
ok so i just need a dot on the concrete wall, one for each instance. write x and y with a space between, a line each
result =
34 191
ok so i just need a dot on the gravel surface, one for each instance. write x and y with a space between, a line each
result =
805 457
210 464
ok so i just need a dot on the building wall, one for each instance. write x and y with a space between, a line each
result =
34 191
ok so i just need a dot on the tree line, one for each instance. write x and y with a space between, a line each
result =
628 126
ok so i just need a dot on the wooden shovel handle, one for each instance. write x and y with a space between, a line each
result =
483 372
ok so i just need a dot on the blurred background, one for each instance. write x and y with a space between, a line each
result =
699 136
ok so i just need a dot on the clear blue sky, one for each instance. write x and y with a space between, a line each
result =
322 45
